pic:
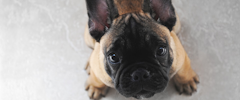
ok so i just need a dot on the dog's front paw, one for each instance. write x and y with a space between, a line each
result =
96 93
95 87
186 83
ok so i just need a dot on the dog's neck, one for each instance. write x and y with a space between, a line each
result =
128 6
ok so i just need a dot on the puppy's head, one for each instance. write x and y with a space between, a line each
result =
135 42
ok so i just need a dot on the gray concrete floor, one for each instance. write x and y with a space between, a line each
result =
42 52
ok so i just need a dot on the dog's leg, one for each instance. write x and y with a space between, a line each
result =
185 79
87 68
95 87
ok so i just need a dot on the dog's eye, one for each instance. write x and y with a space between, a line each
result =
161 51
114 58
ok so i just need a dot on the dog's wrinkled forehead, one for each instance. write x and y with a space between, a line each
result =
135 29
128 6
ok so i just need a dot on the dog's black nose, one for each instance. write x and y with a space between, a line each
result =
140 75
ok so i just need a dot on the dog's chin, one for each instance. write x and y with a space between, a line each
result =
143 94
142 91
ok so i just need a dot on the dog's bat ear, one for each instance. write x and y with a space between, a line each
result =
164 12
98 14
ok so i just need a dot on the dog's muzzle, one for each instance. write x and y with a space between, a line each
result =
141 80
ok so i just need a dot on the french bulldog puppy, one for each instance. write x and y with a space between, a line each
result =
135 49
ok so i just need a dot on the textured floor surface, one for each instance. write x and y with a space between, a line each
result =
42 52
